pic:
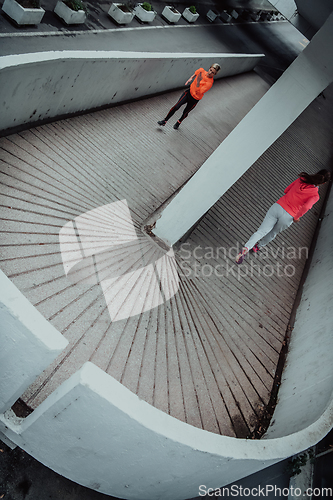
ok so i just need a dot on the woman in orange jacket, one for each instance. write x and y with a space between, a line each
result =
299 197
203 81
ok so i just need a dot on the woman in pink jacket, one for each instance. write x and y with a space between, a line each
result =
299 197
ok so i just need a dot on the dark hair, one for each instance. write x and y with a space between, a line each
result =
319 178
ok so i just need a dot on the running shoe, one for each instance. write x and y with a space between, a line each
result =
176 125
240 257
162 123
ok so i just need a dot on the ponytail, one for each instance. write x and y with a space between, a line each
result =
319 178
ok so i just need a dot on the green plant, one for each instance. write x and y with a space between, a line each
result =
193 9
146 6
75 5
295 464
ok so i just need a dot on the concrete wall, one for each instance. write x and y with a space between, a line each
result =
28 343
286 7
99 434
44 85
307 16
315 13
289 9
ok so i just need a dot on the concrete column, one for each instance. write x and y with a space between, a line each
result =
300 84
29 343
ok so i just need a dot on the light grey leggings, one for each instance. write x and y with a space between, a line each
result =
275 221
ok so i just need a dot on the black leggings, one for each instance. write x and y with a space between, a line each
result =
187 99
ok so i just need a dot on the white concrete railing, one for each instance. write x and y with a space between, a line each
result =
96 432
44 85
29 343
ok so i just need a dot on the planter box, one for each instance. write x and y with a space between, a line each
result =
171 14
189 16
21 15
146 16
121 16
225 17
211 15
255 16
68 15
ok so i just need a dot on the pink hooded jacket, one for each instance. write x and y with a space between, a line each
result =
299 198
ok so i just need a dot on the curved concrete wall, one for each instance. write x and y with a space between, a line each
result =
44 85
96 432
315 13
